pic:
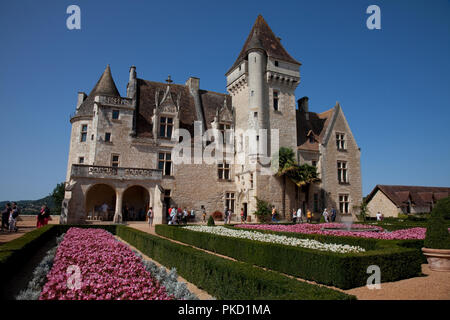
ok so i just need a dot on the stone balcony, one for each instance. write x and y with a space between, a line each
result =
90 171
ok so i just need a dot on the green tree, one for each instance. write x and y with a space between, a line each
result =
58 197
302 175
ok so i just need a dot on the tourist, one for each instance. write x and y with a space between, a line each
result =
203 213
104 209
274 213
245 216
294 216
242 215
379 216
225 213
230 214
325 215
15 211
5 216
308 216
150 216
299 215
185 215
192 214
333 214
43 217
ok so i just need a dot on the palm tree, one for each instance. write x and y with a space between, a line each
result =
302 175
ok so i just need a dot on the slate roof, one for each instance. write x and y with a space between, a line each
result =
210 103
104 86
418 195
316 125
261 36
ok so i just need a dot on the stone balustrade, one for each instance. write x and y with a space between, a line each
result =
89 171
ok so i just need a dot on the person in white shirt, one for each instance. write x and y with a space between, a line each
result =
294 216
150 216
379 216
299 215
325 215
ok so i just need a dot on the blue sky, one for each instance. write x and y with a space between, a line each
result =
393 83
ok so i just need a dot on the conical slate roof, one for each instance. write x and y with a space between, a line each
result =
104 86
261 36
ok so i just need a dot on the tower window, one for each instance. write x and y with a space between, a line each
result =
114 160
108 137
275 100
83 136
115 114
81 160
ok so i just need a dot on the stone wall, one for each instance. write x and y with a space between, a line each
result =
383 204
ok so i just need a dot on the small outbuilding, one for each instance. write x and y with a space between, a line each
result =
392 200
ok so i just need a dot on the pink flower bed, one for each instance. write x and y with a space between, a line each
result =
412 233
109 270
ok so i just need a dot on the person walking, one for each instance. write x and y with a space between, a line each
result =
242 215
230 214
225 220
299 215
294 216
150 216
203 214
325 215
274 213
185 216
333 214
5 216
15 211
308 216
245 216
379 216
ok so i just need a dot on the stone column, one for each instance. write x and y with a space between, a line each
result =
118 213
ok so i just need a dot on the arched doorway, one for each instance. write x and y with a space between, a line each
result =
136 200
100 202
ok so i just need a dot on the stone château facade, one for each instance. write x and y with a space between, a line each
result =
120 147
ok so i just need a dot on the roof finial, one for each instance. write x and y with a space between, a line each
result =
168 80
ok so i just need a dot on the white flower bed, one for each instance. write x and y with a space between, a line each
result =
290 241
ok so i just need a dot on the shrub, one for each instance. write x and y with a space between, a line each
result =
217 215
211 221
340 270
437 236
263 210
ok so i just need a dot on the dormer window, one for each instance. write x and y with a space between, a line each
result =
276 63
222 128
165 127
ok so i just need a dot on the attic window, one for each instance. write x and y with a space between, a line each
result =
165 127
311 138
276 63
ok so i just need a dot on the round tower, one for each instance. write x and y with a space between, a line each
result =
257 62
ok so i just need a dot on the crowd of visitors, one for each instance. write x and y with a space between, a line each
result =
9 217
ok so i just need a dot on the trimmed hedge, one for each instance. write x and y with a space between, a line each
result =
223 278
340 270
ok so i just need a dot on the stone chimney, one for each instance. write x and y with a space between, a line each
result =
193 84
303 106
81 98
131 86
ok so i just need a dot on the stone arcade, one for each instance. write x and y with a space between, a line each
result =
120 147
